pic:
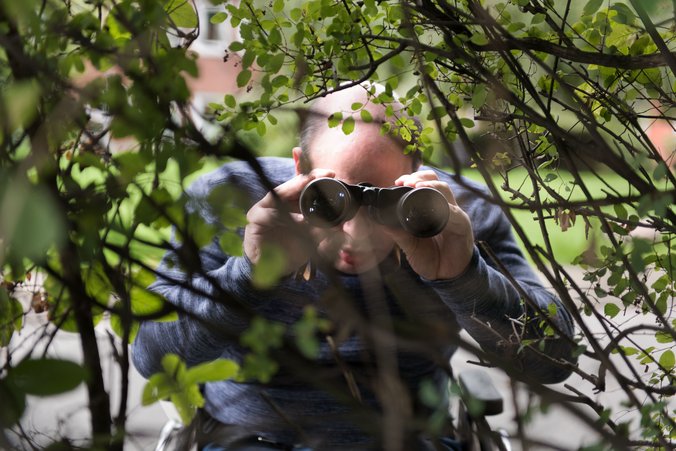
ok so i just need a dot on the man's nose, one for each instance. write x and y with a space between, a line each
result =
359 226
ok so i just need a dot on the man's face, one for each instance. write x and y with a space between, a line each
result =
362 156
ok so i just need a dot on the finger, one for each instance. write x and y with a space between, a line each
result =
419 176
262 215
289 191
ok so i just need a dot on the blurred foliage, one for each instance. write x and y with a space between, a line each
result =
181 385
543 99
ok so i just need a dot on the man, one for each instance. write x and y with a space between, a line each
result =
396 301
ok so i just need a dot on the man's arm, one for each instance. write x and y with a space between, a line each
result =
500 315
493 312
491 304
217 300
212 306
213 301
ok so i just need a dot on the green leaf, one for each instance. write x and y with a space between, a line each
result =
29 376
430 394
348 125
275 37
627 350
261 128
160 386
186 403
21 101
620 211
306 329
279 81
173 365
230 101
152 206
466 122
260 367
243 78
270 267
661 283
660 171
130 164
231 243
194 397
334 119
278 6
275 63
437 112
145 302
30 220
591 7
181 13
13 404
296 14
515 26
236 46
538 18
366 116
263 335
219 17
624 14
199 230
11 317
664 337
217 370
356 106
479 96
415 107
640 248
667 360
611 310
479 39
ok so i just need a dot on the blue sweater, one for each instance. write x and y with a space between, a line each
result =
481 300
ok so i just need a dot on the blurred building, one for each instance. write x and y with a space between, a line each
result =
218 67
217 72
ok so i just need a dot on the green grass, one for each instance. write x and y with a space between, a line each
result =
569 244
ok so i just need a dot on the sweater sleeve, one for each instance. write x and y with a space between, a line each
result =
211 311
214 301
487 303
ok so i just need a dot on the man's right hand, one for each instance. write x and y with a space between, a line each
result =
276 220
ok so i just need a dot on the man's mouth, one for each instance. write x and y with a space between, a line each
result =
348 257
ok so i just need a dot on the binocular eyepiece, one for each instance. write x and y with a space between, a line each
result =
422 212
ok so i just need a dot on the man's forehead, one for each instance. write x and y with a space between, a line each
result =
378 161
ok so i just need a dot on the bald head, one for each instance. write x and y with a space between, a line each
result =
316 121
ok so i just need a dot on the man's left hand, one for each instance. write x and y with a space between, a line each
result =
443 256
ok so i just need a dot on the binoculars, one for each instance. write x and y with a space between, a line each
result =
422 212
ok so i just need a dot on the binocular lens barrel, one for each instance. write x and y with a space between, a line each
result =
326 202
422 212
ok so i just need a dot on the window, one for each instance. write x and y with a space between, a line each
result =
212 29
214 38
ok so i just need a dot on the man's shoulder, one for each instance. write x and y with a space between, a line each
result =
463 187
476 200
244 174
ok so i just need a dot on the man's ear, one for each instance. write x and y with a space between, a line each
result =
297 156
